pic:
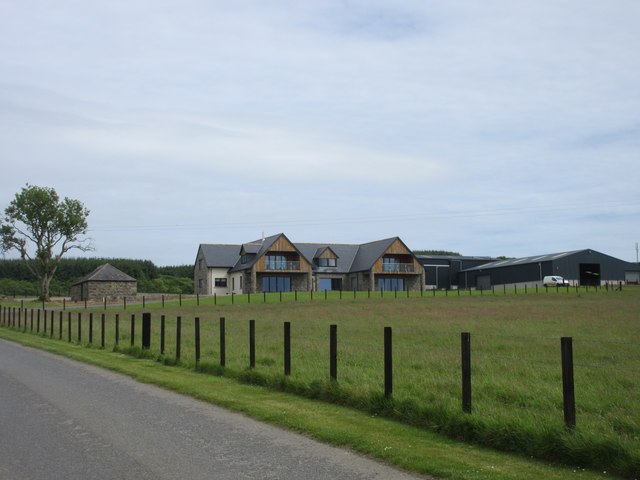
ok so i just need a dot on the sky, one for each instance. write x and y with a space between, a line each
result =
494 128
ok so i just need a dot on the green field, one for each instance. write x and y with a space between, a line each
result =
516 371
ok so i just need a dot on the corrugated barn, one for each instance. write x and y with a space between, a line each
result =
580 267
441 271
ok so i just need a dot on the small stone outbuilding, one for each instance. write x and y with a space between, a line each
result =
105 281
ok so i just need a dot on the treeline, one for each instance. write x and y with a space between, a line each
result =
437 252
16 279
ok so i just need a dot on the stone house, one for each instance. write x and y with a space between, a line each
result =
275 264
105 281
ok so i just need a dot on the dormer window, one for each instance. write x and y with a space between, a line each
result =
247 257
325 257
327 262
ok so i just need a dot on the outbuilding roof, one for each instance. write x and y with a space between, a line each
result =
106 273
524 260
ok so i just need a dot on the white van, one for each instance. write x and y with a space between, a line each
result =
555 280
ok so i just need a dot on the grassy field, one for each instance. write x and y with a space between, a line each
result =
517 380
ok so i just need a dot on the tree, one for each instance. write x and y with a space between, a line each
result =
42 228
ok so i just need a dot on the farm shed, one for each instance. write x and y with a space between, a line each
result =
441 271
104 281
580 267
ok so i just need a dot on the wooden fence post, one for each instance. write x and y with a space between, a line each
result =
197 338
252 344
333 352
223 343
60 325
90 327
568 390
69 325
79 327
465 339
388 363
287 348
178 336
162 334
117 328
133 329
102 325
146 330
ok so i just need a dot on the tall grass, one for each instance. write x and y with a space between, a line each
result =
517 379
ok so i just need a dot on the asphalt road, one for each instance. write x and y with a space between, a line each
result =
60 419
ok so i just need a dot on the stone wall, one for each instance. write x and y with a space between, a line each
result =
99 290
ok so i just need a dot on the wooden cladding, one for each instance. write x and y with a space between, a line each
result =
292 261
406 262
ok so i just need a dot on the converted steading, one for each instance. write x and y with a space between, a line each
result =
276 264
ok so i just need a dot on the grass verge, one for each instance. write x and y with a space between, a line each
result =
399 444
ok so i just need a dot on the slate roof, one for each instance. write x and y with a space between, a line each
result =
224 256
368 253
262 246
345 253
351 258
106 273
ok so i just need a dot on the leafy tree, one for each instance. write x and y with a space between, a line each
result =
42 228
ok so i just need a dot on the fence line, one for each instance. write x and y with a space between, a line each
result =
330 295
8 318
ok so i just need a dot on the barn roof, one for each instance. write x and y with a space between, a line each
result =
524 260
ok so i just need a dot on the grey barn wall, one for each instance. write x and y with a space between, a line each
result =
611 270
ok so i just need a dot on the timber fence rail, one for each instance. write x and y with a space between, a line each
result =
190 300
492 388
216 349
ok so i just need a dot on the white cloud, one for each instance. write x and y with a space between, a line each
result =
373 118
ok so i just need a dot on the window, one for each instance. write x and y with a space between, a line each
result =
221 282
280 262
330 284
390 264
247 257
327 262
390 284
275 262
276 284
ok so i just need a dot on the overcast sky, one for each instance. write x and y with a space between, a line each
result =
501 127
